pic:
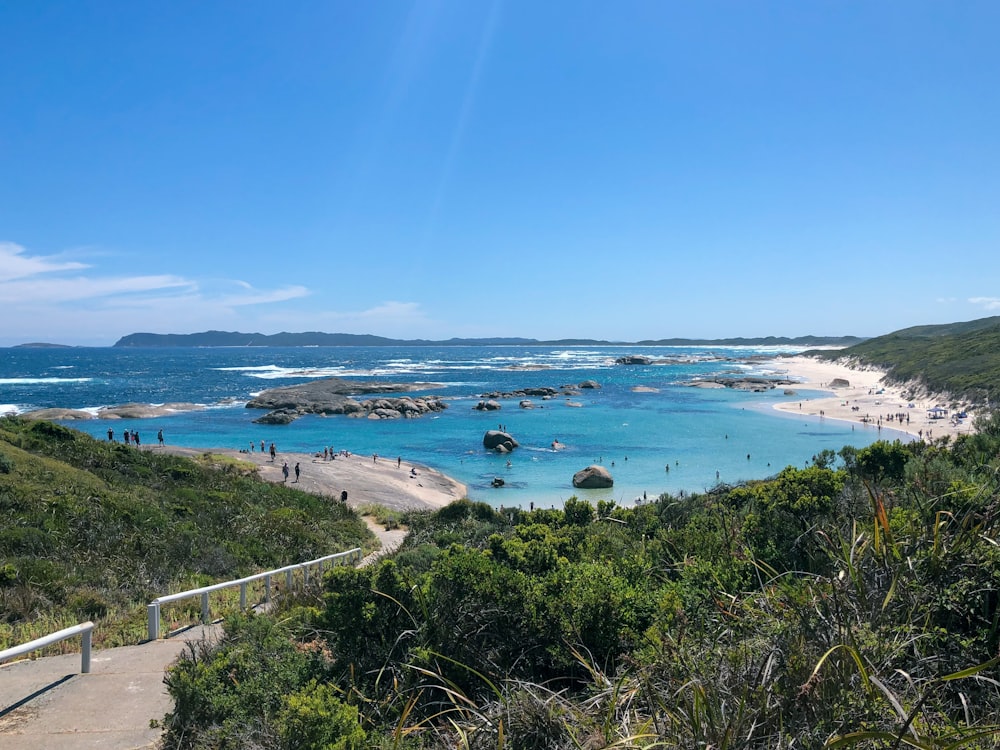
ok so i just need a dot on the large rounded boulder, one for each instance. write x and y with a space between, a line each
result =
501 442
593 478
488 405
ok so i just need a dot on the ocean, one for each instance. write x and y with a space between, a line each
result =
645 424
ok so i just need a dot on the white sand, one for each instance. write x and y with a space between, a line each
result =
866 398
366 481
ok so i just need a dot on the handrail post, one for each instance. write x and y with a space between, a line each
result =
267 589
85 650
83 629
243 595
288 580
153 621
204 608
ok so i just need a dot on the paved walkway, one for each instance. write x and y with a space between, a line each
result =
119 705
46 704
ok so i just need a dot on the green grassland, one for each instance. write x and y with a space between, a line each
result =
95 530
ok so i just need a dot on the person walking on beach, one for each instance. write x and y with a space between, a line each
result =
273 452
296 472
159 436
284 471
111 435
261 446
128 437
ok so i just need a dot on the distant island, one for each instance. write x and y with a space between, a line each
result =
315 338
43 345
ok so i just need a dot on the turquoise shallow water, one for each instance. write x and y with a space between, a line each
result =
635 434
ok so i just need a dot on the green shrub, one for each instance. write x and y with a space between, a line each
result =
314 718
230 695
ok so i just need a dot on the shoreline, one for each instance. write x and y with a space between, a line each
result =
866 400
398 485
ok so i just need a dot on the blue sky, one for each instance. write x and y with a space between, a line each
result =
433 169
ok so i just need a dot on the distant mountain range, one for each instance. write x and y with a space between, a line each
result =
315 338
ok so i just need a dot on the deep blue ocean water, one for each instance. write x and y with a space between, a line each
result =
635 434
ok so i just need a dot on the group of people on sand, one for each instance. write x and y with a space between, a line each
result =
329 454
131 437
253 447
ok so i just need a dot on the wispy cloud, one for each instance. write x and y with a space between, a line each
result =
58 291
64 300
48 298
15 264
987 303
251 296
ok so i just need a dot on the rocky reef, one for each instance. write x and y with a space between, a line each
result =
746 383
331 396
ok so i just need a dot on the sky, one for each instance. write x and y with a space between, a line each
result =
470 168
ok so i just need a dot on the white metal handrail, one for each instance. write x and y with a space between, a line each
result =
84 628
153 608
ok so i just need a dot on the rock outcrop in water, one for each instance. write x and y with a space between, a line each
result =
633 359
331 396
488 405
122 411
499 441
544 392
593 478
747 383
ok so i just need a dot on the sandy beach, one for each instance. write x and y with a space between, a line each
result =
866 400
384 481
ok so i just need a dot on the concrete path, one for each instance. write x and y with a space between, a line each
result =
119 705
46 704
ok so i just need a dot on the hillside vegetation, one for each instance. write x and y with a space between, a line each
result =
852 603
959 359
95 530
